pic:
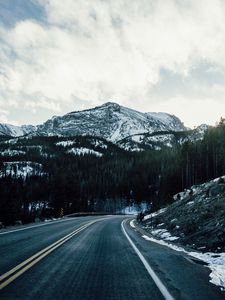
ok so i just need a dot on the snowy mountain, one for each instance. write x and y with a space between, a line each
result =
12 130
129 129
198 133
159 139
111 122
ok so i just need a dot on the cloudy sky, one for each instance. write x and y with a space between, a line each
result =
151 55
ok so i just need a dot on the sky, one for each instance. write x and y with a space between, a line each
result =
150 55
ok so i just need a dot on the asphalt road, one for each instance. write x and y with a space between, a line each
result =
96 258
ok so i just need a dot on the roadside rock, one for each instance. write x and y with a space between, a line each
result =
18 222
197 217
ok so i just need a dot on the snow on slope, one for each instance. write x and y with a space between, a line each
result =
83 151
9 152
195 220
12 130
169 122
20 169
65 143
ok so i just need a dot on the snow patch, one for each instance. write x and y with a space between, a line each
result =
21 169
9 152
190 203
160 211
83 151
215 261
132 224
99 143
65 143
164 234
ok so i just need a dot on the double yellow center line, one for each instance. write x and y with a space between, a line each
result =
11 275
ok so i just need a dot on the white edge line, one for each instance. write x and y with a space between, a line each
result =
33 226
155 278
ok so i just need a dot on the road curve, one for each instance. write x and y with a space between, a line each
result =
93 258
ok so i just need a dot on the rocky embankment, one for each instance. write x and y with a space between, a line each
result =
196 219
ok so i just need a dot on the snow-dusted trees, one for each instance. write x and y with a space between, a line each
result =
107 183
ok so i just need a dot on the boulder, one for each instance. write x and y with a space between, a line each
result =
217 189
18 222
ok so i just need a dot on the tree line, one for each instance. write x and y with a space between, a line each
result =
109 183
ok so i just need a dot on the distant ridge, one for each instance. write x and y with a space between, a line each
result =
115 123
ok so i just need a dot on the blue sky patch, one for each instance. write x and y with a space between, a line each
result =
13 11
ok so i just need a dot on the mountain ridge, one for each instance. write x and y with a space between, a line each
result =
108 107
110 121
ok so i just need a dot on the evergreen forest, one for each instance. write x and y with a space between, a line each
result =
106 184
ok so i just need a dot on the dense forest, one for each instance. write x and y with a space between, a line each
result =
86 183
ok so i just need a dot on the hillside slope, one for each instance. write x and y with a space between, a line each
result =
12 130
196 218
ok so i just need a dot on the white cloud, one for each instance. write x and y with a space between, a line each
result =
4 117
100 50
204 111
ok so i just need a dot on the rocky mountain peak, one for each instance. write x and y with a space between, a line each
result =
109 121
110 105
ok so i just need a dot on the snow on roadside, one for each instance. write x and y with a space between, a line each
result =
215 261
161 242
132 224
164 234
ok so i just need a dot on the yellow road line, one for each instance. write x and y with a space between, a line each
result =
28 263
2 277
